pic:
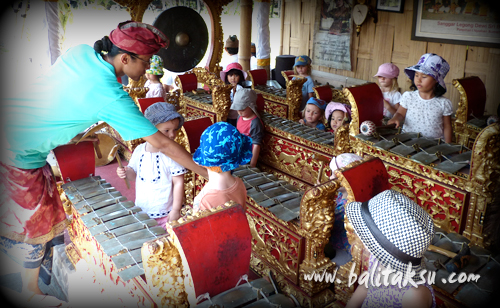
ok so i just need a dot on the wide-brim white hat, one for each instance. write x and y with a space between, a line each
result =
395 230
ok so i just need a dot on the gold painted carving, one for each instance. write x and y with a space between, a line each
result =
294 97
445 205
164 273
461 115
269 239
221 101
291 159
341 140
316 222
215 8
343 291
287 108
354 125
485 166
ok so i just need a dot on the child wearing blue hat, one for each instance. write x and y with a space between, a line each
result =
314 114
222 149
302 67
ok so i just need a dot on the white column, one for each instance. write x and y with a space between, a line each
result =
262 8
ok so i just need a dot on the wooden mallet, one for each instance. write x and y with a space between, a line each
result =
114 153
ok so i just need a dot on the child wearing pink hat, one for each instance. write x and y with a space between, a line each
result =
337 114
387 76
233 75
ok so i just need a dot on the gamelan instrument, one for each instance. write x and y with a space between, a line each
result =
202 259
284 103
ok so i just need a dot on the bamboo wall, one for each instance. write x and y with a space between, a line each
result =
389 40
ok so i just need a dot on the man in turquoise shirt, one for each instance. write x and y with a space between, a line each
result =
80 89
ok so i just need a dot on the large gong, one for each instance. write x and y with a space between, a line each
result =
188 35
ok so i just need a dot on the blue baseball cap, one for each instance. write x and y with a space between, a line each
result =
318 102
302 60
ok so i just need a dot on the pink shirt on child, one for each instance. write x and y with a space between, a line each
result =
214 197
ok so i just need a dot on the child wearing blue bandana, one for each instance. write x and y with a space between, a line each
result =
222 149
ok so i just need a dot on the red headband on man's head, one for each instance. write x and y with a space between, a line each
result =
138 37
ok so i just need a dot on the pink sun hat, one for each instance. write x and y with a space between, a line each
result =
233 66
387 70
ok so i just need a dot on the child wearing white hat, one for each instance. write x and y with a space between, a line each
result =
397 232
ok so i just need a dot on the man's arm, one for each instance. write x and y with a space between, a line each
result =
176 152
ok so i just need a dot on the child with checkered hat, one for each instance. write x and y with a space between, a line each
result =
154 74
222 149
397 232
159 180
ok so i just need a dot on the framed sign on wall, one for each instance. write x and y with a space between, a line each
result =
456 22
396 6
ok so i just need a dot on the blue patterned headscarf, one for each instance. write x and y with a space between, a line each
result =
222 145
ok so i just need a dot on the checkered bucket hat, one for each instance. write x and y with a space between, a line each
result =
155 66
222 145
394 229
430 64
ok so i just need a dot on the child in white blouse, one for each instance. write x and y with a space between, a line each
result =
424 110
159 180
387 76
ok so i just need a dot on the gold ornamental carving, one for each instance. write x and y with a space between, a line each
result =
270 239
354 125
343 291
316 222
485 166
341 141
445 205
164 273
218 110
294 97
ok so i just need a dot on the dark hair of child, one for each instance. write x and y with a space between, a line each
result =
237 72
438 89
330 119
232 50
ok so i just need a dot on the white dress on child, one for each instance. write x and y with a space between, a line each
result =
153 185
393 97
425 116
155 89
